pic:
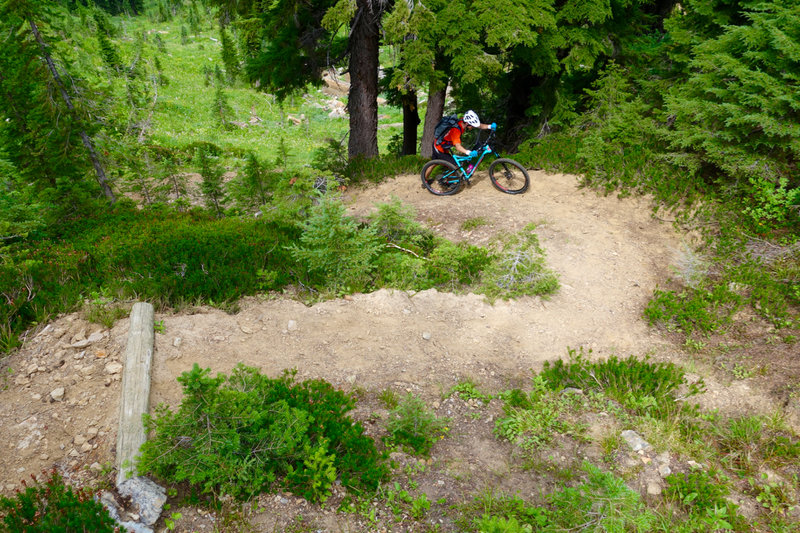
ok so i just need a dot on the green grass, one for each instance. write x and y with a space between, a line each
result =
183 114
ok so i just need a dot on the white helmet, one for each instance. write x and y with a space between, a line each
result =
471 118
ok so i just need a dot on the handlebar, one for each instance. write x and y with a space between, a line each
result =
481 144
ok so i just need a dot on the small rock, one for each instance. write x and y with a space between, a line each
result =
176 342
80 344
426 335
664 470
86 447
73 453
292 325
78 440
635 441
653 488
91 432
96 337
695 465
57 394
246 329
79 355
113 368
147 496
572 390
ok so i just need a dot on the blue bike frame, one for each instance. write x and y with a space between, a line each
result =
462 159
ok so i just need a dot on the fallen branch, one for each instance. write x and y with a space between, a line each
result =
393 245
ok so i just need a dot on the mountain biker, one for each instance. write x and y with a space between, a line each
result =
452 139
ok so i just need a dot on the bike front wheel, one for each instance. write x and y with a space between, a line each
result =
441 177
509 176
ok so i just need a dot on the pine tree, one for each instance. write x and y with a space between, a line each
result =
221 111
39 133
109 52
229 56
193 18
211 186
739 110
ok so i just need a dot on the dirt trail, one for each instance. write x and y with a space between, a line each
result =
60 403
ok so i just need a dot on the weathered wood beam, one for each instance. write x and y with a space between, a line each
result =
135 400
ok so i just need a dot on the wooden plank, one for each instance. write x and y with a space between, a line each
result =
135 400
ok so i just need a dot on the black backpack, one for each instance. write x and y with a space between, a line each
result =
446 124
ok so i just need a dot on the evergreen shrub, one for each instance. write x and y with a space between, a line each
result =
518 268
246 433
413 427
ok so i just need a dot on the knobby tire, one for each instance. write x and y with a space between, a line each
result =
441 180
509 176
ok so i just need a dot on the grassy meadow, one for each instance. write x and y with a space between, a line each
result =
183 113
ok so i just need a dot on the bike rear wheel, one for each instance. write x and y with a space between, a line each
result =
444 178
509 176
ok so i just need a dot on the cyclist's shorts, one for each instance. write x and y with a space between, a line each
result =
444 156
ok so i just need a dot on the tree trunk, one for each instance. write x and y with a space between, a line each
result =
363 97
87 142
410 122
432 117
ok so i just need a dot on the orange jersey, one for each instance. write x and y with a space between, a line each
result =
451 138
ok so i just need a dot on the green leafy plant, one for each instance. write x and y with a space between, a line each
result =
602 502
775 496
474 223
50 505
638 384
412 426
468 390
171 522
699 491
101 308
497 512
239 435
419 506
530 420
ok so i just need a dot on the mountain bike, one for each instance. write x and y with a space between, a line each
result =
445 179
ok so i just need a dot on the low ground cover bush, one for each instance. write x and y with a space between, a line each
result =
600 501
640 385
50 505
158 254
246 433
